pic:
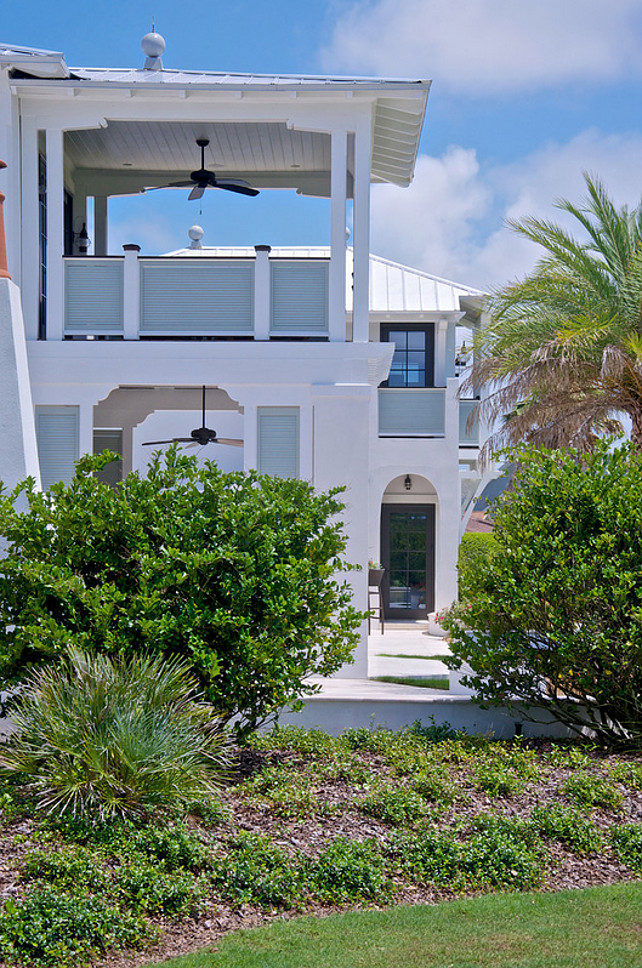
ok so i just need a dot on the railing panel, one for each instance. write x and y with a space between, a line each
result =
93 296
469 423
412 412
299 291
199 296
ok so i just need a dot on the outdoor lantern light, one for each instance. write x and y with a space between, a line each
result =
83 240
407 482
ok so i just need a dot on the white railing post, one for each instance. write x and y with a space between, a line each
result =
131 292
361 233
262 289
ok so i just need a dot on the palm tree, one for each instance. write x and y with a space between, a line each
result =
562 354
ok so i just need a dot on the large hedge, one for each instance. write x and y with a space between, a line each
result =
234 572
553 617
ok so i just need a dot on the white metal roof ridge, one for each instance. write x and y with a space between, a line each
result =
128 75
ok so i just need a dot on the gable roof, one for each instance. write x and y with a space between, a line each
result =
394 288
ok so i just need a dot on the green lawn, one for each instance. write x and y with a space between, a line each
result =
413 655
596 928
422 682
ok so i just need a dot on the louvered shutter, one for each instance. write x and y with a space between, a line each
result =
197 297
278 441
93 296
299 297
405 412
57 434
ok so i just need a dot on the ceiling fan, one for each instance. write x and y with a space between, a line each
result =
200 435
203 178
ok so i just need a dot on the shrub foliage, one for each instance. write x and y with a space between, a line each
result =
235 573
553 618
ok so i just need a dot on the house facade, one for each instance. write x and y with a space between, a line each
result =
325 363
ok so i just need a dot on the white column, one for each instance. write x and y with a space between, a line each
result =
131 292
85 428
262 293
441 332
29 278
100 225
337 279
361 231
55 234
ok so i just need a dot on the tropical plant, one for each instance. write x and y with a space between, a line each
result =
561 358
103 738
234 573
553 617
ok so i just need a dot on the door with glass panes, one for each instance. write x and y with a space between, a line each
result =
408 556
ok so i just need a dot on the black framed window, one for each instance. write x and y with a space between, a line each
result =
413 360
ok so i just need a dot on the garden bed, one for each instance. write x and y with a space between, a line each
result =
316 824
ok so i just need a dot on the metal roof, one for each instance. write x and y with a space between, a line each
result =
40 63
394 288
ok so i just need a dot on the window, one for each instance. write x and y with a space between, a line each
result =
413 360
57 434
278 441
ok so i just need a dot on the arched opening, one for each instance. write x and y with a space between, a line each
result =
408 520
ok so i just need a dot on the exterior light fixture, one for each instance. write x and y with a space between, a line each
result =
82 240
407 482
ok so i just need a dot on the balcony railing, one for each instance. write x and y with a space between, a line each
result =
405 412
136 297
469 423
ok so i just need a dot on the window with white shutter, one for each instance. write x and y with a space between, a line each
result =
278 441
57 434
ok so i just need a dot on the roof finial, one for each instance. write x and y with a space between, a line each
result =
195 233
153 46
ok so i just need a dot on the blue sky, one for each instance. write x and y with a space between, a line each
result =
526 95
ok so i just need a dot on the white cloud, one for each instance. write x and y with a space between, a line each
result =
450 221
489 46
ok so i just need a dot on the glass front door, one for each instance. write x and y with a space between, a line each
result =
407 553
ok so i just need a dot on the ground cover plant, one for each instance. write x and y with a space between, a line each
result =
313 823
234 573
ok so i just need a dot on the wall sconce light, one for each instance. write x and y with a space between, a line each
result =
407 482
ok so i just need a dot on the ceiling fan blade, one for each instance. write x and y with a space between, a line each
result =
238 188
196 192
174 440
230 441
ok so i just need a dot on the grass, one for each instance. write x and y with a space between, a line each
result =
423 682
408 655
600 926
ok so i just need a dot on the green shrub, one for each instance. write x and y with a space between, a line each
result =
476 551
295 739
627 844
287 792
236 574
589 790
52 928
630 774
145 888
255 871
366 740
104 737
435 785
72 868
551 618
434 732
569 827
348 870
498 781
500 854
394 805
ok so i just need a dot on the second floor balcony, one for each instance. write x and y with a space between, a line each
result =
133 297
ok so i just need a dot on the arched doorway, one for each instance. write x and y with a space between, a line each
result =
408 516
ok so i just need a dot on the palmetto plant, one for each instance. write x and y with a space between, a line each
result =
107 737
561 359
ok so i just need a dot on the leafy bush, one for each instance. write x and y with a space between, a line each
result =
256 871
145 888
627 844
232 573
287 793
394 805
476 551
499 853
498 781
348 870
630 774
105 737
552 618
435 785
52 928
588 790
295 739
71 868
569 827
